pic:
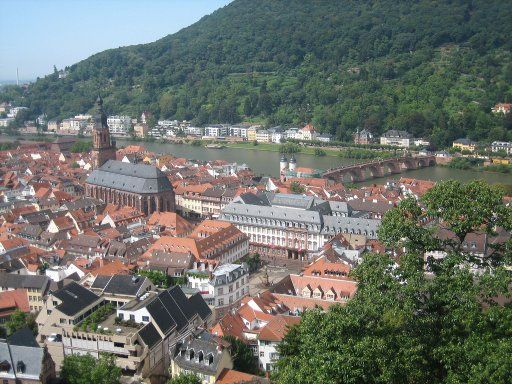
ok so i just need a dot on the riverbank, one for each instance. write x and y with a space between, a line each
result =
478 165
272 147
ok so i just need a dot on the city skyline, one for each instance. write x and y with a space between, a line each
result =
78 31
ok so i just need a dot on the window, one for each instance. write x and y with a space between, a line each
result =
262 354
221 291
132 317
63 321
145 318
121 316
221 301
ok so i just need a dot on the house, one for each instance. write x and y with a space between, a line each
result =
396 138
465 145
36 287
172 263
263 136
276 134
292 133
251 133
363 137
216 130
497 146
168 223
270 337
223 288
23 361
502 108
121 289
325 137
230 376
12 301
53 125
213 241
203 354
308 133
62 144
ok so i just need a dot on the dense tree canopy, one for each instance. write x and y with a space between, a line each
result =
242 355
433 68
19 320
85 369
406 326
185 379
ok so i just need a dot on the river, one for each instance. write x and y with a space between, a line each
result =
267 163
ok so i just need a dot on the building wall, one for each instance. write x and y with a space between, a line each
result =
267 354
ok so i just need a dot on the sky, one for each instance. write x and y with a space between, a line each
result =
38 34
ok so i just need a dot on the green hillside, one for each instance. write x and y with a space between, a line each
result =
434 68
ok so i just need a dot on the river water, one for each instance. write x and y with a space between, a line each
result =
267 163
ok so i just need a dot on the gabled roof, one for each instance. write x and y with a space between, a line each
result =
278 327
74 298
149 335
121 284
23 281
137 178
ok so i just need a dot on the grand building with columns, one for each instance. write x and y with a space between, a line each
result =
140 186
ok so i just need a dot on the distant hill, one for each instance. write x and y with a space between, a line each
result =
434 68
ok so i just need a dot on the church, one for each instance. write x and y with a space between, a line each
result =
140 186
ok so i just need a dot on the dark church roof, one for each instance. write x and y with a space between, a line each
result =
137 178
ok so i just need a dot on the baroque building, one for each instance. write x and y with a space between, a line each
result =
140 186
285 228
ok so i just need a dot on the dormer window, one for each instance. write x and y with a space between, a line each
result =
20 367
191 354
209 359
5 366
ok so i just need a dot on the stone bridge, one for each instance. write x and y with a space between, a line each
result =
379 168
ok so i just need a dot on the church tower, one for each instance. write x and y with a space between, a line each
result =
103 148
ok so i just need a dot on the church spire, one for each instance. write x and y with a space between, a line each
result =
103 148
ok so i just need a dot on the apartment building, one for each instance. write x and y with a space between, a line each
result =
212 241
36 287
223 288
216 130
141 333
119 125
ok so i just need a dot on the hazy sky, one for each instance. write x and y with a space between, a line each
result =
36 34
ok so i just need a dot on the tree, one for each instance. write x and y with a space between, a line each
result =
404 326
188 378
20 320
242 355
296 187
81 147
85 369
159 278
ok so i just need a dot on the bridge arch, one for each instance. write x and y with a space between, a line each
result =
409 164
390 167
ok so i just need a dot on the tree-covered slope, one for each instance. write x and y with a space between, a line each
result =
434 68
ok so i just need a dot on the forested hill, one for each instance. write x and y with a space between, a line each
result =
434 68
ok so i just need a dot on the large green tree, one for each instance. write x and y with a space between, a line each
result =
405 325
188 378
85 369
20 319
243 357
